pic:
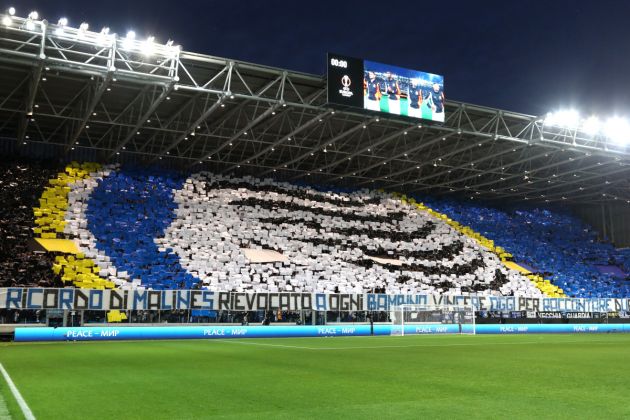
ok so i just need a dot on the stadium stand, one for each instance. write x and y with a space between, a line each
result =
105 227
22 261
552 243
164 232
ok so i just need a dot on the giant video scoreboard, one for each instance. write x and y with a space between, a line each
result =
384 88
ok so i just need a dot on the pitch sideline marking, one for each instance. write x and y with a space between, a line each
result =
4 410
28 414
401 346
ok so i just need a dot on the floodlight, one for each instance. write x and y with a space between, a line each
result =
128 41
61 24
84 26
12 11
148 46
33 15
6 21
617 129
563 118
103 36
591 125
30 25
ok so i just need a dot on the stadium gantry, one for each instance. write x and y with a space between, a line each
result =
89 95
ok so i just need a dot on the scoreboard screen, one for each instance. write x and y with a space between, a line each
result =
385 88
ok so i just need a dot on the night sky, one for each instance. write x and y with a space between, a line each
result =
525 56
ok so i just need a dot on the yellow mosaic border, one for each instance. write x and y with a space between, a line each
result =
50 223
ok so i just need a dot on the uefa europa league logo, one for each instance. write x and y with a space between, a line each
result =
346 82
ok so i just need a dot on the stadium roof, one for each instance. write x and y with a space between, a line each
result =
85 93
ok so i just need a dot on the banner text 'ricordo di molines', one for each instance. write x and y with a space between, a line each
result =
166 300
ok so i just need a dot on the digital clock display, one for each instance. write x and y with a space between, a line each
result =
339 63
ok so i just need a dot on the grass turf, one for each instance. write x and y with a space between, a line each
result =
524 376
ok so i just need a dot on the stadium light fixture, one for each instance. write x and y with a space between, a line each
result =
617 129
104 37
592 125
129 39
83 27
30 25
148 46
569 118
11 11
173 49
6 21
61 24
33 15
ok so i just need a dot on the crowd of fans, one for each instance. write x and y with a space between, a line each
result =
557 244
166 231
22 263
161 231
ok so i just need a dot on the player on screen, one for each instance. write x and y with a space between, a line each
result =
436 102
393 92
372 92
415 99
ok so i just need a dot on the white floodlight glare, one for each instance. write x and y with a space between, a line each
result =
6 21
563 118
83 27
12 11
592 125
30 25
33 15
128 41
173 50
103 36
568 118
61 24
148 46
617 129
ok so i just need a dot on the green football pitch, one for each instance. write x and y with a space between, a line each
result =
524 376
